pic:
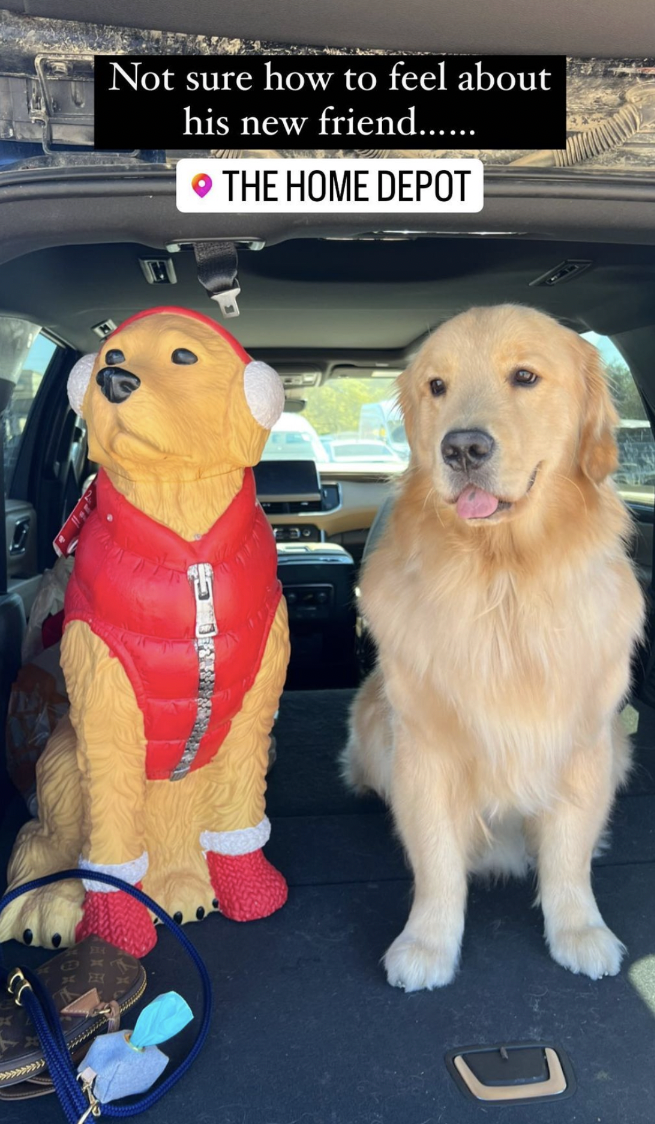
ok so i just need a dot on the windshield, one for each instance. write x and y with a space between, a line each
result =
349 423
355 425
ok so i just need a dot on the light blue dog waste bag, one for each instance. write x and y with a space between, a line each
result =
125 1063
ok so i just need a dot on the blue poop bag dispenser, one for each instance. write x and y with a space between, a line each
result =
126 1062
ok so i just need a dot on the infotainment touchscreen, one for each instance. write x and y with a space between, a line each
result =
287 481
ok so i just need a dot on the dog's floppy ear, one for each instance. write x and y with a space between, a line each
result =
78 380
598 451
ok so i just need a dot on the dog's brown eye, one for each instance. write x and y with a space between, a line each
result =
437 387
524 378
183 356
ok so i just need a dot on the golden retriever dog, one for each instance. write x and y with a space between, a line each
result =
505 611
174 651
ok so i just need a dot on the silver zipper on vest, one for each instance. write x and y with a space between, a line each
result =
201 577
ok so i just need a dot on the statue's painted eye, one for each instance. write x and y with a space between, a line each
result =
184 357
114 356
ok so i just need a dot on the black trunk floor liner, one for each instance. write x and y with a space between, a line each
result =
305 1027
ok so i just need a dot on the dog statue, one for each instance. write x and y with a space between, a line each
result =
174 651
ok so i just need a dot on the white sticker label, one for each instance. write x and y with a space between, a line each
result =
253 186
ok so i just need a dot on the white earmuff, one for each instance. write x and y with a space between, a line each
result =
78 380
264 393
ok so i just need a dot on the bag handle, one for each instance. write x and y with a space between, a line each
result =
38 1003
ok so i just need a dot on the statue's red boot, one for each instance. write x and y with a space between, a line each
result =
246 887
118 918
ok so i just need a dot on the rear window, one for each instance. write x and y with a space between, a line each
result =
609 108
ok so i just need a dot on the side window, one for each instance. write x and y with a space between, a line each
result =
25 355
635 478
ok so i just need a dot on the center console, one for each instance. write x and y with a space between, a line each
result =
318 583
317 577
291 488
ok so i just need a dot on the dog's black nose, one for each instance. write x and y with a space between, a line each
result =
117 384
466 448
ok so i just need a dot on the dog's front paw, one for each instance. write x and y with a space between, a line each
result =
414 964
592 951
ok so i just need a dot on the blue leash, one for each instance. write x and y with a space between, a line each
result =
38 1003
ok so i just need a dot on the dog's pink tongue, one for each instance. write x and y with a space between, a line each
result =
476 504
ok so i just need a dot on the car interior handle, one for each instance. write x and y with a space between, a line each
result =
18 544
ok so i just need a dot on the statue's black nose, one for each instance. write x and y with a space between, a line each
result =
463 449
117 384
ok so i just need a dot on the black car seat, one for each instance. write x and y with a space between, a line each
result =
378 525
365 645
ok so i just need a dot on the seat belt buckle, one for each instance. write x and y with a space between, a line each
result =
217 264
227 301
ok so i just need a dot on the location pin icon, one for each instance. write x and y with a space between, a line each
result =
201 184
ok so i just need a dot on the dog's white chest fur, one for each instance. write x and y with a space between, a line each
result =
514 672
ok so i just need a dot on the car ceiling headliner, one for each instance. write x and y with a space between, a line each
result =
595 28
314 295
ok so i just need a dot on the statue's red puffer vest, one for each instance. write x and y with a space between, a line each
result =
147 593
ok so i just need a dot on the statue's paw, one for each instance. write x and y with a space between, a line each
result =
47 917
185 895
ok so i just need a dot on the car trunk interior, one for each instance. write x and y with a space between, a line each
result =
305 1026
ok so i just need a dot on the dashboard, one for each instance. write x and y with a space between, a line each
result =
303 506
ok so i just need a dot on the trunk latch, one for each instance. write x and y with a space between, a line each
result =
515 1073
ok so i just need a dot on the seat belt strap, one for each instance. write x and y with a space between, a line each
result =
217 264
